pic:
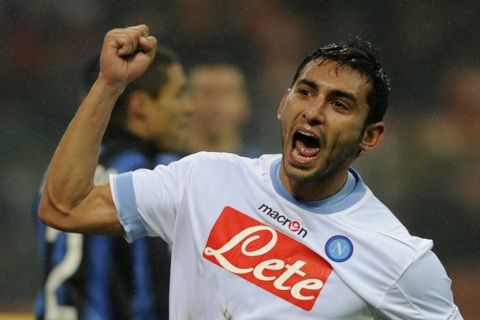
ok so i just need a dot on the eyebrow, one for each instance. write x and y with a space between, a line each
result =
309 83
343 94
334 93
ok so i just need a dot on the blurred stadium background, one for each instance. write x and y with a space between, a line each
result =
427 171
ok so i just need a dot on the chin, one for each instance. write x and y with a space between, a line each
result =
300 173
315 174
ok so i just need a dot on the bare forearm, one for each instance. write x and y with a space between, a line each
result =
70 202
72 168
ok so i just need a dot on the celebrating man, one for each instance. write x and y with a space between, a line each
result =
291 236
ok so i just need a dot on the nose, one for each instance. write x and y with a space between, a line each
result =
314 114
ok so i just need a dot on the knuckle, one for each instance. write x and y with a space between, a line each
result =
113 31
141 29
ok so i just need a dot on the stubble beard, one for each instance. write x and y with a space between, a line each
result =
331 165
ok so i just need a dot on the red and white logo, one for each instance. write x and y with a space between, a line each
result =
294 225
267 258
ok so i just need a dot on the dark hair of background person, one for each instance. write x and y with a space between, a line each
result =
152 81
362 57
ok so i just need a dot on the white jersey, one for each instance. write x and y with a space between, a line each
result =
243 248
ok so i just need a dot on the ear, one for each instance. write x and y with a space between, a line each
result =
281 106
372 136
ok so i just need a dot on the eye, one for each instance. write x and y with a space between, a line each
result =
304 92
339 105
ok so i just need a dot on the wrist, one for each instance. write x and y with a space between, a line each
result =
109 87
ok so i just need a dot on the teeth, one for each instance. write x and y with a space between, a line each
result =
307 134
299 156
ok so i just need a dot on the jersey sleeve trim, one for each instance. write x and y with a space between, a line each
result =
124 199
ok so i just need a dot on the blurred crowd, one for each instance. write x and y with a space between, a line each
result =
427 170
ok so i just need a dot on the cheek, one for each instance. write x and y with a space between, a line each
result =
285 118
158 121
343 135
163 115
349 142
283 127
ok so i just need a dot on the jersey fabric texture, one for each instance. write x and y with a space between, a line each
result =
103 277
243 248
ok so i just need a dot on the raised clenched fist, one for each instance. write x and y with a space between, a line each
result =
126 54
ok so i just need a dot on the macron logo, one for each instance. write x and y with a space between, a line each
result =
292 225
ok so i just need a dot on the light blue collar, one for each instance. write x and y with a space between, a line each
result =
353 190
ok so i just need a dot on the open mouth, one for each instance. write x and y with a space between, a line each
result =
305 145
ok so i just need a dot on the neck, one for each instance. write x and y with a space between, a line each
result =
314 189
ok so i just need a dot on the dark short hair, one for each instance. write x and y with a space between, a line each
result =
362 57
151 81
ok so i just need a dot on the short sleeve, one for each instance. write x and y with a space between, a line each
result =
422 292
147 200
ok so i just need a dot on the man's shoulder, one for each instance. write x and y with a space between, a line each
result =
220 163
383 228
209 157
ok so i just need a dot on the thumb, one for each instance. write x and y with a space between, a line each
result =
148 45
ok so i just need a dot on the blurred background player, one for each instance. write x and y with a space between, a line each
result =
222 107
447 157
91 277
